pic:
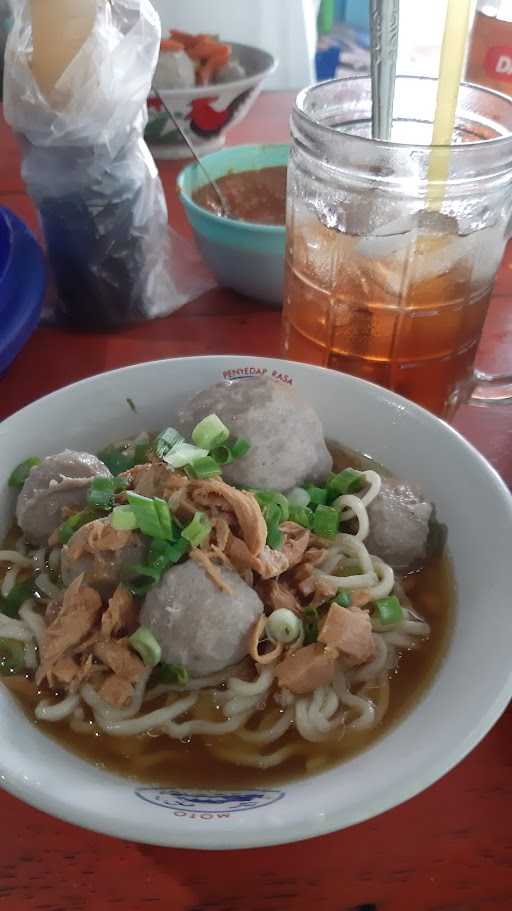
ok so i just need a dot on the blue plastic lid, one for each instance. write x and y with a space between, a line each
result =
23 277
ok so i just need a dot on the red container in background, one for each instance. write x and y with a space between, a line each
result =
490 53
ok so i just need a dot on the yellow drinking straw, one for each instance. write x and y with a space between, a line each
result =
453 51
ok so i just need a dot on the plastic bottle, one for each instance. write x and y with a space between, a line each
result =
59 30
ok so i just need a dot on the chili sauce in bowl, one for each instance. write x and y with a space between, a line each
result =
244 249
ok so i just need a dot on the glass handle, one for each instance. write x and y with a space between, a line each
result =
491 389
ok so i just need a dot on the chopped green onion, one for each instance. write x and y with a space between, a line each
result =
347 481
144 569
184 454
275 501
302 515
239 448
326 521
140 589
274 537
389 610
311 620
19 593
145 644
298 497
141 453
102 491
172 673
318 495
205 468
123 518
164 517
210 432
273 515
283 626
20 474
197 530
158 555
162 554
120 484
152 515
343 598
117 460
12 657
68 528
281 501
222 455
165 441
176 550
229 452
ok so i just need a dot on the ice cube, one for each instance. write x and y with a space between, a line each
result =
387 239
430 221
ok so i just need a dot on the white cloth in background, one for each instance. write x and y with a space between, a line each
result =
286 28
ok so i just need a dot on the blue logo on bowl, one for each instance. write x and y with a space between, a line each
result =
208 804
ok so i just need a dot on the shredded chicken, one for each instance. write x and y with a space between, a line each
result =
211 570
271 563
217 555
96 537
52 610
72 673
307 668
75 646
116 690
155 479
244 505
350 632
121 614
240 556
222 532
80 610
65 670
322 591
277 595
295 542
118 656
315 555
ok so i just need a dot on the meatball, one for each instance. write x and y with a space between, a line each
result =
285 433
230 72
108 565
197 625
58 482
175 70
399 525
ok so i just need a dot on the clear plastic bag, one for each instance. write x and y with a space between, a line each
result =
87 168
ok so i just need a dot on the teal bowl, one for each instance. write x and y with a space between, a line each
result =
242 255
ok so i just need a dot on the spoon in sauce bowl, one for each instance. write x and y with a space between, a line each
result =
224 208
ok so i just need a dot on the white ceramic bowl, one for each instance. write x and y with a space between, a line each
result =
469 692
206 112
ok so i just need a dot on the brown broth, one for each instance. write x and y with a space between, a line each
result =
255 196
160 761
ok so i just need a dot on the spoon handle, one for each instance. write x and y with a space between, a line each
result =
384 15
220 195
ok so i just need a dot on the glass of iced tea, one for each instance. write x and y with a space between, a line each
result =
393 246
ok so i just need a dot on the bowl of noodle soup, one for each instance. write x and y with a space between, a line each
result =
257 720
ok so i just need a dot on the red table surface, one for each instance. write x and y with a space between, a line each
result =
446 850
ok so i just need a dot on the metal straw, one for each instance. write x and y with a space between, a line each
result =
214 184
384 48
